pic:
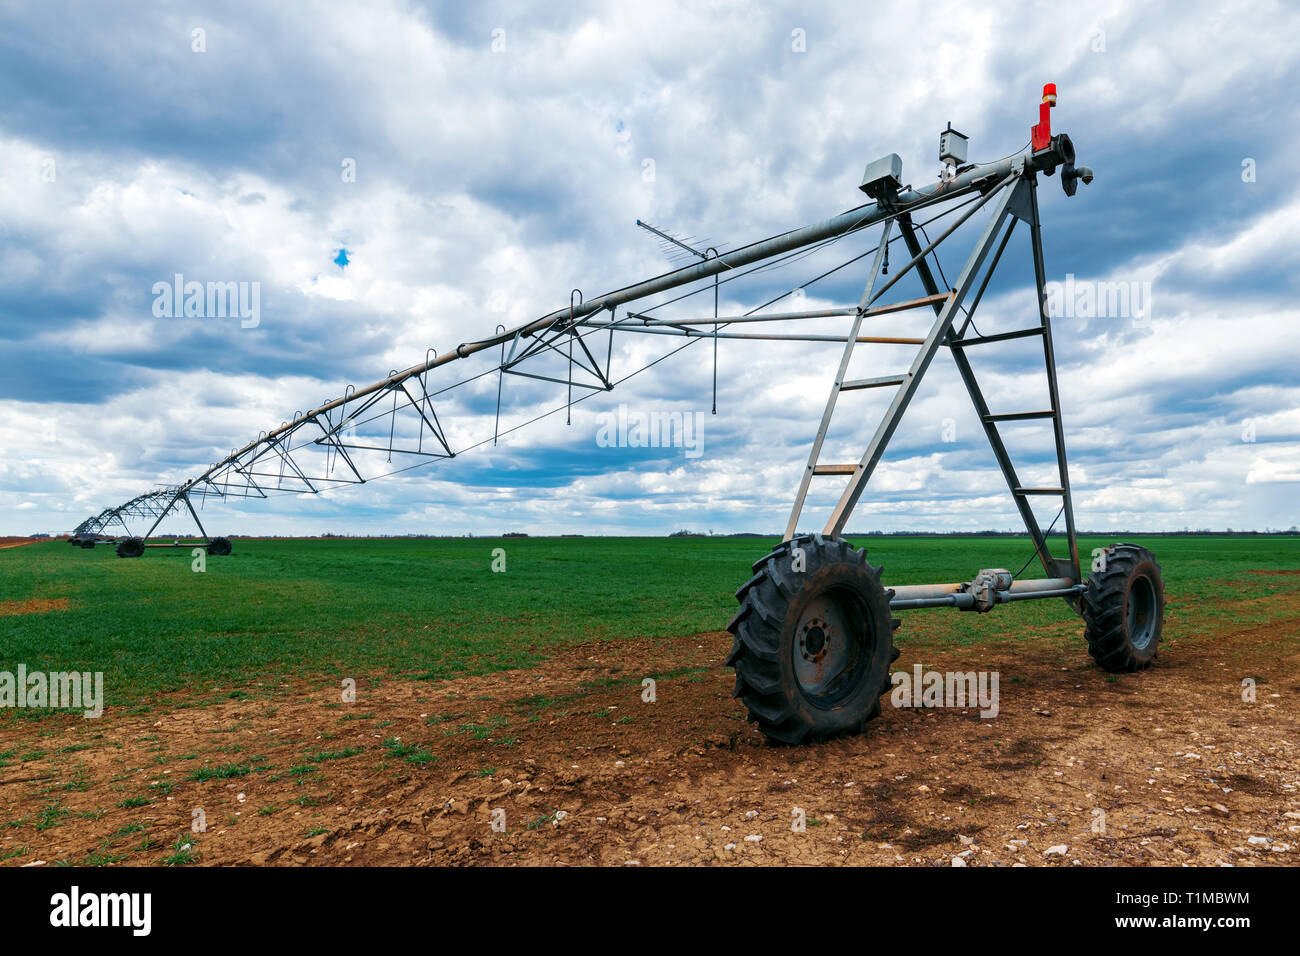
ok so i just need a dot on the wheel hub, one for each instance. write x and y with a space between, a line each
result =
813 640
825 646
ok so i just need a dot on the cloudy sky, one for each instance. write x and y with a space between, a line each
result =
397 176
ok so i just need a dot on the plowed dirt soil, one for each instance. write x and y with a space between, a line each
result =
1166 766
18 542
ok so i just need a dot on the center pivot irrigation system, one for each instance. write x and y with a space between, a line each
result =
813 639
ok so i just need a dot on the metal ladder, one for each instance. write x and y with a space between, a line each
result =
1018 202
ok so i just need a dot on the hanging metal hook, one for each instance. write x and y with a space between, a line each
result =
343 409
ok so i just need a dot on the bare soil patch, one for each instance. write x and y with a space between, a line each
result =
18 542
33 606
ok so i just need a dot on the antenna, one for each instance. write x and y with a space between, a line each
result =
672 239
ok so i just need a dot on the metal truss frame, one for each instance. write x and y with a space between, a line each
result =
322 449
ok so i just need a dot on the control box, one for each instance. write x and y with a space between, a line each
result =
952 147
883 176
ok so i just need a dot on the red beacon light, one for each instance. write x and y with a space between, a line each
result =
1041 135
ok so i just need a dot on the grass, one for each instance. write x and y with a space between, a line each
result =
541 821
411 753
223 771
103 857
485 730
325 610
51 815
182 851
319 755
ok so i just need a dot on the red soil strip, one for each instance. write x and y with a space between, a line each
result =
33 606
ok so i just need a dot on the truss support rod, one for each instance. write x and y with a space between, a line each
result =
787 316
728 319
435 426
195 515
988 274
763 337
163 514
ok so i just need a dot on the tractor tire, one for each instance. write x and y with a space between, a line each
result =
87 542
130 547
813 641
219 546
1124 609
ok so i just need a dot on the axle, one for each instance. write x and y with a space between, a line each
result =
988 588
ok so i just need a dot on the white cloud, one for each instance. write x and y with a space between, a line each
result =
490 184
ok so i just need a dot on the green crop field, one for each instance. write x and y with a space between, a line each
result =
434 609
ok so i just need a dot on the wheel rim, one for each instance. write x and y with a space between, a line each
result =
1142 612
830 651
